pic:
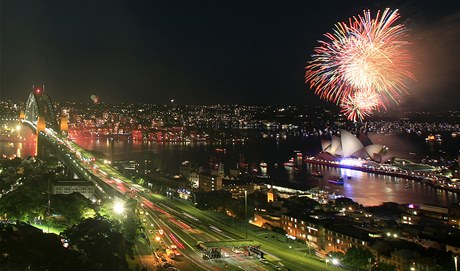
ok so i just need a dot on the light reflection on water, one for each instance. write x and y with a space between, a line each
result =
372 189
366 188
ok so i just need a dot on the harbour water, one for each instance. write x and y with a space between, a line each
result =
366 188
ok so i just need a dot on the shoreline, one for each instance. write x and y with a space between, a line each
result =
414 176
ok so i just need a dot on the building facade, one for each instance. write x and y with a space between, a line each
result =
64 187
208 182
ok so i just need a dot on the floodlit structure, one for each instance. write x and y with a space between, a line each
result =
350 146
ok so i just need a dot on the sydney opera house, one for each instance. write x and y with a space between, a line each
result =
348 145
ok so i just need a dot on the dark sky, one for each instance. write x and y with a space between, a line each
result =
203 52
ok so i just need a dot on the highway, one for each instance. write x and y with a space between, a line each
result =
190 225
184 230
183 225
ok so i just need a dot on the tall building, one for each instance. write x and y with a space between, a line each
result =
238 190
209 182
185 169
194 179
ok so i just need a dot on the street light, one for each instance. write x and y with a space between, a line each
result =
118 207
246 211
334 261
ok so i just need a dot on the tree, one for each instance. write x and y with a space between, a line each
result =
214 200
130 228
130 224
101 241
71 206
384 267
24 247
24 203
358 257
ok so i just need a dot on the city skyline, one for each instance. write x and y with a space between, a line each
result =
203 53
164 186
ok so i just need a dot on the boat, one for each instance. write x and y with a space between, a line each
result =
263 176
317 174
434 138
336 180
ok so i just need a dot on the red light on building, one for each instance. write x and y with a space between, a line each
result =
38 90
137 134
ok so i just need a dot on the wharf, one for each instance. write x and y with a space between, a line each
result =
410 175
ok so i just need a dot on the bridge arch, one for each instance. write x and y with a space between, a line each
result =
39 105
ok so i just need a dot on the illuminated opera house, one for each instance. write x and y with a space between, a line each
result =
348 145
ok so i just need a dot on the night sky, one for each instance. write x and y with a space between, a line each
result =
204 52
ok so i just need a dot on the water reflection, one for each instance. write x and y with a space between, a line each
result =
372 189
17 149
365 188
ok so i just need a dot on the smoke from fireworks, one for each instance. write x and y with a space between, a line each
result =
364 59
95 99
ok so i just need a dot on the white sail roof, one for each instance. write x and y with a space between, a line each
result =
350 143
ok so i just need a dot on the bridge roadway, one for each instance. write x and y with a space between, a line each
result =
183 225
84 164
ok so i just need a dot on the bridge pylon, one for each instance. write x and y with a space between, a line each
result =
41 126
64 125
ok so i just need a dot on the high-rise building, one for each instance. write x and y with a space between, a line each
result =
209 182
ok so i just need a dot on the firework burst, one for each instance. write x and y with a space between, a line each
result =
364 56
361 104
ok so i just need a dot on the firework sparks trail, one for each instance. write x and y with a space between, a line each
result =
364 56
361 104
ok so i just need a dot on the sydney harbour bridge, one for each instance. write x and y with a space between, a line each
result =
39 115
